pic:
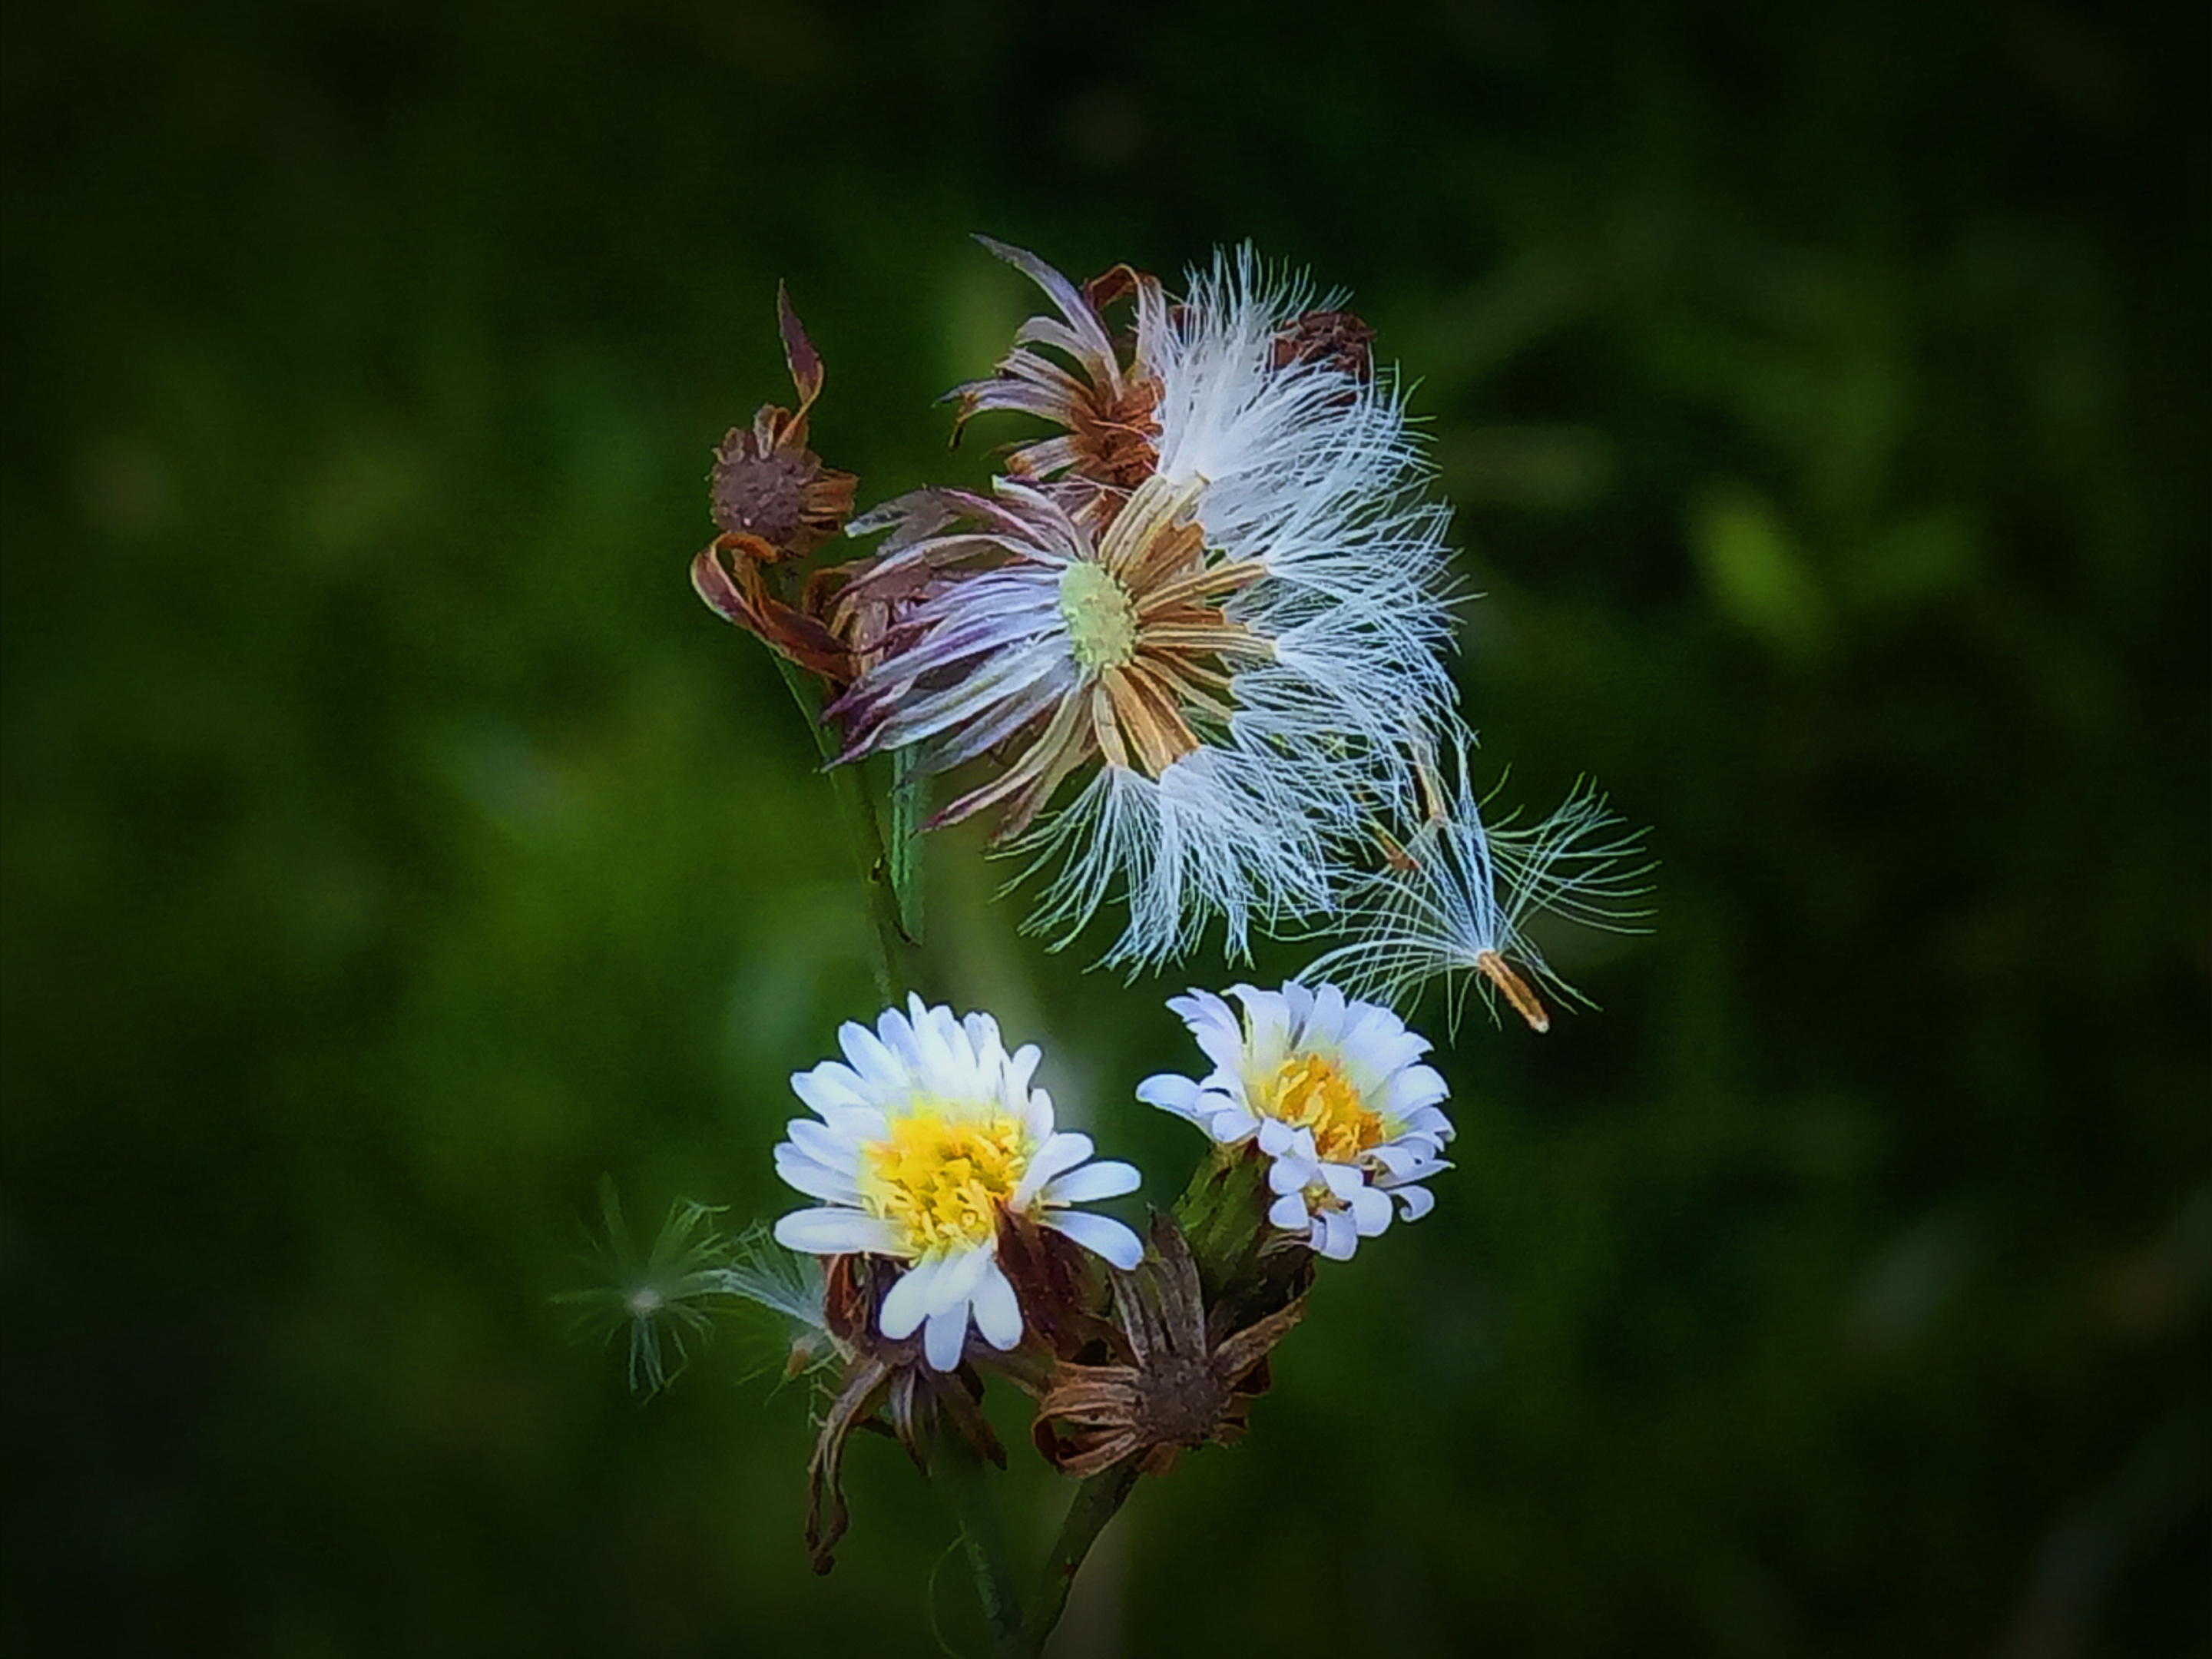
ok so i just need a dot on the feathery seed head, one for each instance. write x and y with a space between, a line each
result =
1214 638
1456 897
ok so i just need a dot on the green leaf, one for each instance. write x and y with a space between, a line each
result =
909 807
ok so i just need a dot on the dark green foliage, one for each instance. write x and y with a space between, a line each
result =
393 842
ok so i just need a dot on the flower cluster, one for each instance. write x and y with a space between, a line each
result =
1188 651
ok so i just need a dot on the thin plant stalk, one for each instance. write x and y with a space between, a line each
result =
896 959
957 1473
891 953
892 880
1097 1501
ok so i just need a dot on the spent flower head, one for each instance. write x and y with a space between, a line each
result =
774 501
1219 640
1183 1380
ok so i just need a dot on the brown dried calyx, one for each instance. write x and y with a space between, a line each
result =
1105 400
1338 339
1189 1382
887 1387
775 502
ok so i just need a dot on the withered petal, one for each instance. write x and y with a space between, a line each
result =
806 363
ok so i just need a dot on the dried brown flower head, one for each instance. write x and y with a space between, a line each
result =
775 502
767 484
1187 1383
1337 338
1109 409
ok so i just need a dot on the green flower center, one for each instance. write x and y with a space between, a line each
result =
1101 622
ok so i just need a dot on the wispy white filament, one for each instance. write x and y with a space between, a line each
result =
1467 890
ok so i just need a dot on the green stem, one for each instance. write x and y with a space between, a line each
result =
957 1473
892 956
1097 1501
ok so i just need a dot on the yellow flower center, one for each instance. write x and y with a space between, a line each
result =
1309 1092
1101 622
940 1180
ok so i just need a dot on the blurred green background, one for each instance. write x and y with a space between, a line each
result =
393 844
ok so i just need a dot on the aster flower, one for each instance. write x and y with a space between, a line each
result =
1241 639
926 1141
1456 897
1332 1091
1188 1380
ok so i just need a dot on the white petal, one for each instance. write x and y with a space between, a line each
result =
1289 1212
983 1037
998 1314
1290 1174
825 1144
1431 1121
830 1088
964 1272
1268 1017
1370 1212
874 1062
1396 1159
1415 1087
1102 1235
896 1035
1339 1237
1325 1025
1414 1203
1342 1180
1036 1116
1220 1038
943 1337
1058 1155
813 1178
1106 1178
1231 1124
1276 1137
1362 1020
1171 1093
913 1299
836 1232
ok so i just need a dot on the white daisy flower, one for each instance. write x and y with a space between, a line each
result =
928 1132
1237 608
1454 902
1337 1096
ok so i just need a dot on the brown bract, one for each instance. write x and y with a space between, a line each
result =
1338 339
886 1387
775 502
1109 407
1056 1284
1187 1383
